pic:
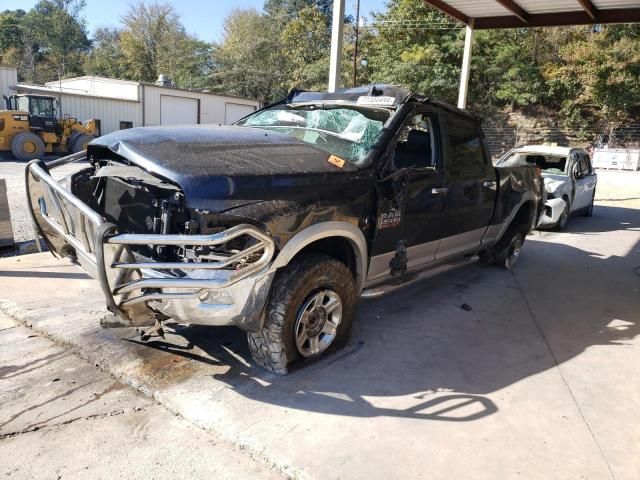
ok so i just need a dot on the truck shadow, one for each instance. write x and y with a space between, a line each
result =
417 354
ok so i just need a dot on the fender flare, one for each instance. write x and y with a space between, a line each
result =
323 230
526 197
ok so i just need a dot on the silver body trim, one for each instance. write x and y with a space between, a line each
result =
209 293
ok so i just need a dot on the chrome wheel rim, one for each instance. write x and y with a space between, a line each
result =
514 251
317 323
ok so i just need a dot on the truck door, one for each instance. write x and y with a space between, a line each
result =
470 183
585 182
411 217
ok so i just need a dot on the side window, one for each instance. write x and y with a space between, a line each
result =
582 165
465 154
415 144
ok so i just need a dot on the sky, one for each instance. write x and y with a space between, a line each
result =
202 18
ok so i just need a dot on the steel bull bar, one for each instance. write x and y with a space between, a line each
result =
72 229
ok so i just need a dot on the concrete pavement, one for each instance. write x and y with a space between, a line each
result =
538 380
63 418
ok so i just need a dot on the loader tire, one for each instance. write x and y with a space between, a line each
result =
80 142
309 313
27 146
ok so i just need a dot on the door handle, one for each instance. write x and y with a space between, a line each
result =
439 191
489 184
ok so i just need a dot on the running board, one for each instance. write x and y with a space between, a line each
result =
410 278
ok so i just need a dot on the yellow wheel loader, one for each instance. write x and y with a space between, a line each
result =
29 128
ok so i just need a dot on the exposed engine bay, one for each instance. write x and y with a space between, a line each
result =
137 202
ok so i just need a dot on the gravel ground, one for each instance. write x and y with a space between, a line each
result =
613 185
12 171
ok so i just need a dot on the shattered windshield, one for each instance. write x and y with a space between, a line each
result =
344 131
552 164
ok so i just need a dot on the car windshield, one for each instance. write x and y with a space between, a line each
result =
553 164
347 132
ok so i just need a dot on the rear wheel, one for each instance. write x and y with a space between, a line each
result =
80 142
507 251
309 313
27 146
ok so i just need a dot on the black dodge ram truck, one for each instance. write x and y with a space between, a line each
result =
279 223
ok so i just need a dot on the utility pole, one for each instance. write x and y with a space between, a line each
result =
355 46
335 60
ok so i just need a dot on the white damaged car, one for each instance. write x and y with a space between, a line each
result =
569 180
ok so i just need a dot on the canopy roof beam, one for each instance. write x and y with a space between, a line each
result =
516 9
518 17
589 8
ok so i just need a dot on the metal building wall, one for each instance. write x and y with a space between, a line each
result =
212 107
110 112
8 78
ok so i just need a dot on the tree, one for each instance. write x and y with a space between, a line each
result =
58 29
417 47
250 60
106 58
596 77
154 41
306 41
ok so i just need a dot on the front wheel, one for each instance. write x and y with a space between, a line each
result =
589 211
308 314
80 142
564 217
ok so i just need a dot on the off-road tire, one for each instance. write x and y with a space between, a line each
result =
499 253
80 142
19 143
273 347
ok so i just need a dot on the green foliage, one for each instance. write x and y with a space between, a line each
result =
416 47
248 61
590 76
306 41
153 42
106 58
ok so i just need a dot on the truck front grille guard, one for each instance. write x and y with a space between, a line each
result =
97 242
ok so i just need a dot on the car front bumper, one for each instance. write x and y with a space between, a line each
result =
552 212
207 293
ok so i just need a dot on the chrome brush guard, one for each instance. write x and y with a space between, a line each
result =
72 229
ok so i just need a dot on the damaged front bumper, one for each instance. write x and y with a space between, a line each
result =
552 212
208 293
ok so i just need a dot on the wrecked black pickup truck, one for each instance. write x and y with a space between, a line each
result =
279 223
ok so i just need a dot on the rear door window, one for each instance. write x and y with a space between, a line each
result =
463 144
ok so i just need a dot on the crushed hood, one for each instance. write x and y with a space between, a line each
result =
554 183
224 166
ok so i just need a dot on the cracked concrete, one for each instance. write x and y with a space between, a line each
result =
63 418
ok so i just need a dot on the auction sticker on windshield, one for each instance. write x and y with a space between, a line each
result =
369 100
337 161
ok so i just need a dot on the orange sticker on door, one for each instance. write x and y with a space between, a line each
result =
337 161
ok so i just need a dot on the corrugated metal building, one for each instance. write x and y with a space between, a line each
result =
8 77
119 104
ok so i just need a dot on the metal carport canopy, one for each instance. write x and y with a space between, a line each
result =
491 14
